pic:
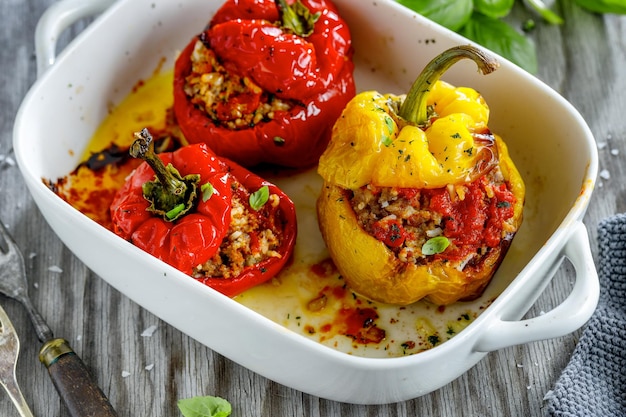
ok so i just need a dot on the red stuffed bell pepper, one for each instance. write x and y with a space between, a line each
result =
266 81
206 216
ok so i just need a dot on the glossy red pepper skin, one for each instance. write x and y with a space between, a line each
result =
196 237
200 232
316 71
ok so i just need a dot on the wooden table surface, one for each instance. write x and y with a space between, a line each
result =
584 60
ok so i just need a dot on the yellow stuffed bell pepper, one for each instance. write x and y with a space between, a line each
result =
420 198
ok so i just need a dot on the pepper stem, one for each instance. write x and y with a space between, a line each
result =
171 196
414 108
297 18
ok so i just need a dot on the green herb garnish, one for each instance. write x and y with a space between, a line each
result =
435 245
390 124
207 191
259 197
433 339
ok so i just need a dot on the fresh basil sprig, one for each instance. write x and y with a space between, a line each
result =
481 21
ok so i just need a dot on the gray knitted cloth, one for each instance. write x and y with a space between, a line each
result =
594 381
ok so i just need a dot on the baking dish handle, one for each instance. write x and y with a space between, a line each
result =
567 317
55 20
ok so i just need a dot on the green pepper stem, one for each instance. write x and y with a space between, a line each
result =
141 148
171 196
414 109
297 18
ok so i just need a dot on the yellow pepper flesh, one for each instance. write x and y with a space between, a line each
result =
371 145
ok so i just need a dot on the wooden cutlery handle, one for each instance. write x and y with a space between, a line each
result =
76 386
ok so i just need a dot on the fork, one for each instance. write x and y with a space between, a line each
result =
73 381
9 352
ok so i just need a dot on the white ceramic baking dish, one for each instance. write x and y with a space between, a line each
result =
549 141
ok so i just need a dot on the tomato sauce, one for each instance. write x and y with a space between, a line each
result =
475 221
359 323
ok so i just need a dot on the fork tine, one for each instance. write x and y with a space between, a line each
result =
13 282
9 353
6 327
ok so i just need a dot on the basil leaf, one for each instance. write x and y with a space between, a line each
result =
207 191
204 407
435 245
502 39
452 14
603 6
494 8
259 197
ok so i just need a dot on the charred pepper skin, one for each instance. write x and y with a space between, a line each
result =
384 141
196 237
314 72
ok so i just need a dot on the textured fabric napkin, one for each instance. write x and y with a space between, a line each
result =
594 381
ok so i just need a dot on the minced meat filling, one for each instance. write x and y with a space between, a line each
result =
474 217
252 237
230 100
